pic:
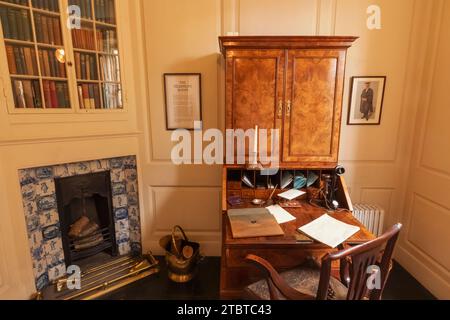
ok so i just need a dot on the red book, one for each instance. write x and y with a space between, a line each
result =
47 94
54 96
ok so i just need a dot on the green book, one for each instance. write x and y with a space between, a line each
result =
5 23
12 24
18 19
25 26
60 95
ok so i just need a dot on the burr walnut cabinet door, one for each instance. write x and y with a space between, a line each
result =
312 121
255 92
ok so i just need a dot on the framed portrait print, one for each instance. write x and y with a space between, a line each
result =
183 98
366 100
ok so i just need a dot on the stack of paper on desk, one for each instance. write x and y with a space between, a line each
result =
249 223
281 215
291 194
329 231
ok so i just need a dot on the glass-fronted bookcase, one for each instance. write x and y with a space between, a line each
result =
62 56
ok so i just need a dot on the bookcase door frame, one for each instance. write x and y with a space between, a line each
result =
5 78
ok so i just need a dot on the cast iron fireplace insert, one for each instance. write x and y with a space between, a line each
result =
88 198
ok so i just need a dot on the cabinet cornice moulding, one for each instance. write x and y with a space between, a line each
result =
9 142
285 42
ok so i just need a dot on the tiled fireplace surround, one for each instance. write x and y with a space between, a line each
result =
42 219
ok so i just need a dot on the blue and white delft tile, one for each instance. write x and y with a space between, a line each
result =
51 232
27 177
30 208
56 272
133 199
124 248
99 166
62 171
119 188
133 212
132 186
120 213
130 174
130 162
122 227
135 237
35 240
33 223
44 173
135 225
46 202
54 259
45 187
53 247
38 253
120 201
82 168
116 163
117 175
42 281
29 192
49 217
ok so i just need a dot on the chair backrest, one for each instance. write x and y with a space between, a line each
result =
354 267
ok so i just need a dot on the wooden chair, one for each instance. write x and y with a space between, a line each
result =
310 281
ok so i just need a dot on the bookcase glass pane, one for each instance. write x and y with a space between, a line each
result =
89 96
50 66
56 94
86 66
49 5
110 68
112 96
21 60
85 7
84 38
48 29
27 93
16 23
107 39
105 11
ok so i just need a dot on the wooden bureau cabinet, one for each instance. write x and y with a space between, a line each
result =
294 84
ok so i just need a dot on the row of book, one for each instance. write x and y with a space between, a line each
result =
48 29
49 5
16 24
89 96
107 40
85 7
110 68
50 66
105 11
84 38
27 93
21 60
112 96
86 66
56 94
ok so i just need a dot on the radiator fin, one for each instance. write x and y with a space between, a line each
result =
371 216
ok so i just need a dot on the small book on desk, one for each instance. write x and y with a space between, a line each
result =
252 223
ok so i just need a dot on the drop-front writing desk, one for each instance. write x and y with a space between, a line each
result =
283 252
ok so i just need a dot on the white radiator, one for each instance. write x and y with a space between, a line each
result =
371 216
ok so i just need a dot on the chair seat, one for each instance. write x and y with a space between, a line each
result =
303 279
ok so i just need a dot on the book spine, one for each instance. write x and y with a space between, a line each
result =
47 94
87 103
5 22
80 96
45 34
34 61
54 96
18 20
28 93
66 95
83 66
51 36
12 24
97 98
78 65
60 95
91 96
37 94
88 66
19 94
57 31
25 25
28 60
38 24
93 68
11 59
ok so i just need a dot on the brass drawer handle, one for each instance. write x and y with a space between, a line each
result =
280 109
288 108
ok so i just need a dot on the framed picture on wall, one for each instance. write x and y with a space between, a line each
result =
366 100
183 98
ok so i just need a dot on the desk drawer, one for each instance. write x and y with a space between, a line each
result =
279 258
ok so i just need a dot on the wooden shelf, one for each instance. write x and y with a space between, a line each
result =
88 81
25 76
13 5
48 45
54 78
47 12
84 50
20 42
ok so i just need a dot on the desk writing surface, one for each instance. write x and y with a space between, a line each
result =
304 215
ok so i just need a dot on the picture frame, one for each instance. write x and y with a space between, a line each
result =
183 100
366 100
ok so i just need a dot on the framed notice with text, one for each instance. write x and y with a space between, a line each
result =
183 97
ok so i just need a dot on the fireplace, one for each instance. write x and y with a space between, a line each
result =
86 216
56 197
